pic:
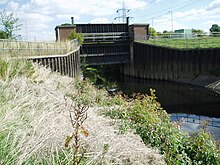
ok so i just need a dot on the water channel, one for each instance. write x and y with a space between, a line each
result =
189 103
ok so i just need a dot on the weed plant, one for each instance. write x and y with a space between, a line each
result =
144 114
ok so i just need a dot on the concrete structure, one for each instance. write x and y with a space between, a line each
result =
63 31
136 31
139 31
102 43
161 63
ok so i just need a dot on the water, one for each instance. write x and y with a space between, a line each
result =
192 104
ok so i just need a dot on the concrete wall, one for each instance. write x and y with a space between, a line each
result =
68 64
160 63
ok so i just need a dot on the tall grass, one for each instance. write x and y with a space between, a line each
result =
35 121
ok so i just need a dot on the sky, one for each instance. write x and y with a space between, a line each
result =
40 17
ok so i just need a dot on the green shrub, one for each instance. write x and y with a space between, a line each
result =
75 35
152 123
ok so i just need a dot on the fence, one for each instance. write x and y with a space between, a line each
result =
183 41
24 48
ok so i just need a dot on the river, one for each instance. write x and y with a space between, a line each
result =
189 103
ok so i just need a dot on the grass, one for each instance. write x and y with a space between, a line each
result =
196 43
35 121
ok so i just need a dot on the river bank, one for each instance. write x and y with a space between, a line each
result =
35 122
205 80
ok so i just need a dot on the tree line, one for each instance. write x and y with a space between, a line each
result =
214 29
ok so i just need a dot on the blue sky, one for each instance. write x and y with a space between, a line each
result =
40 17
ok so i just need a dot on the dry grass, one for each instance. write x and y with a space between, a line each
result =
35 117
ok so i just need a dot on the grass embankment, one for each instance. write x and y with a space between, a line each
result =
196 43
36 128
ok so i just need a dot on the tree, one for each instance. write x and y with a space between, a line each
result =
197 31
3 35
215 28
9 22
152 32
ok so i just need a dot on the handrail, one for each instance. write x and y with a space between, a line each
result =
31 48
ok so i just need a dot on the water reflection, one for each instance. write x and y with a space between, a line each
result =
193 123
182 99
177 97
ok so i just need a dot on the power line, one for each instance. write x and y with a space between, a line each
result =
180 7
162 12
122 13
149 3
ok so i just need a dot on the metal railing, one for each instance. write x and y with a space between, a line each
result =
26 48
183 41
111 36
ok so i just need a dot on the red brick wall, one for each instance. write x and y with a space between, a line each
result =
64 32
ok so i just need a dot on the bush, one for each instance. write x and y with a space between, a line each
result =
152 123
75 35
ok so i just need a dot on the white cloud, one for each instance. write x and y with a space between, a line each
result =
198 18
67 16
13 6
100 20
213 5
41 16
44 15
3 1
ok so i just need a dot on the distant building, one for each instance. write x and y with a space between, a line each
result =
183 33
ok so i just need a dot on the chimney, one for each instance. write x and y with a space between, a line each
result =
72 20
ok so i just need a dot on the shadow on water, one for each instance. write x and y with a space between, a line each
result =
178 99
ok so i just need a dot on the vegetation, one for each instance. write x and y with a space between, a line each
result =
197 31
44 126
9 21
190 43
75 35
215 28
10 69
52 124
152 31
3 35
152 123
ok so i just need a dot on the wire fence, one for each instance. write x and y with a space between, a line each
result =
24 48
183 41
